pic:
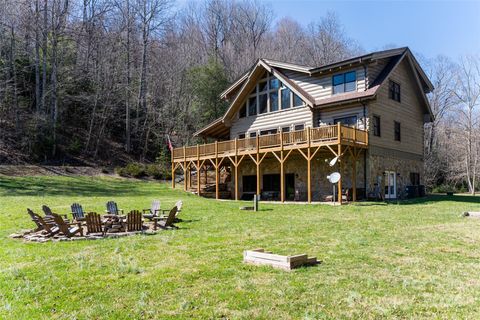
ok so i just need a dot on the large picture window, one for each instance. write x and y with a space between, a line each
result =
344 82
269 95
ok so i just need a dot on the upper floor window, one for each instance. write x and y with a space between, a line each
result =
269 131
394 91
397 132
376 126
241 135
344 82
269 95
299 127
347 121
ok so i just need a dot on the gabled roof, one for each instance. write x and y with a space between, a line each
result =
240 89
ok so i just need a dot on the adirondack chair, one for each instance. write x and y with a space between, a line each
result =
77 212
66 228
112 208
48 212
164 224
153 211
49 228
94 223
179 205
134 221
35 220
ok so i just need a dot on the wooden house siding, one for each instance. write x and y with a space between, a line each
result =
321 87
409 112
278 119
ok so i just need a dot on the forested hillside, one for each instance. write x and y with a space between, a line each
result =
100 81
106 81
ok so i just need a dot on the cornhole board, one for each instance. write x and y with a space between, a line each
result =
262 257
471 214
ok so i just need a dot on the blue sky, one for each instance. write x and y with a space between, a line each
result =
429 28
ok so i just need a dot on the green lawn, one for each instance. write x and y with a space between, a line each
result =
411 260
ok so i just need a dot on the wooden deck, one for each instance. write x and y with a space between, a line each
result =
307 142
310 137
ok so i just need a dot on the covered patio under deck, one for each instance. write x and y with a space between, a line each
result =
336 140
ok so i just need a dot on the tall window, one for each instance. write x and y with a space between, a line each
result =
285 98
394 91
252 106
397 131
344 82
269 95
376 126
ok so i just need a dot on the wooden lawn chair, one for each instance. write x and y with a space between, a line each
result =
153 211
77 212
48 212
134 221
112 208
167 223
94 223
35 220
49 228
66 228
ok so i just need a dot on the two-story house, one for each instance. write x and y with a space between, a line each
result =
289 126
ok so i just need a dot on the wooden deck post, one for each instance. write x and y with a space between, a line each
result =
339 193
354 177
258 165
184 169
198 170
339 133
309 169
282 172
173 169
236 169
217 180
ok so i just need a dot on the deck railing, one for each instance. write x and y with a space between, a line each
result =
301 137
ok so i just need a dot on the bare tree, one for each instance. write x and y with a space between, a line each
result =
468 94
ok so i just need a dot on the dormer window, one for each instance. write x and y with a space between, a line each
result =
344 82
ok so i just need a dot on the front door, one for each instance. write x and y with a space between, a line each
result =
390 185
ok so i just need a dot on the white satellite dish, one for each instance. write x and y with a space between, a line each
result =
333 161
334 177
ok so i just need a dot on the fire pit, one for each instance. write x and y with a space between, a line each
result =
114 223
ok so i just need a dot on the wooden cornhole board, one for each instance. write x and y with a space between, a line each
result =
262 257
471 214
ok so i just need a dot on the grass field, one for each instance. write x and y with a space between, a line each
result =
416 259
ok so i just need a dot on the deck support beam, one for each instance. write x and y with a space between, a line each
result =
339 193
198 170
217 178
258 166
309 168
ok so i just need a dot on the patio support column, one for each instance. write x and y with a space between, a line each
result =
173 170
198 170
217 180
236 170
309 169
184 169
339 193
282 170
258 166
354 177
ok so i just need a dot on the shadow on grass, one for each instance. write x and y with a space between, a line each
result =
71 186
427 199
